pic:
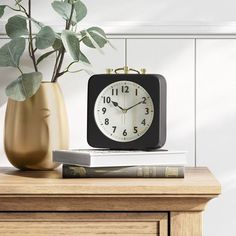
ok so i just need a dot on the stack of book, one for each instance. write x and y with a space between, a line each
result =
98 163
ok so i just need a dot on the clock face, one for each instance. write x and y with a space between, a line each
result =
124 111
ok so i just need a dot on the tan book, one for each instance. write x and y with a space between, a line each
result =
74 171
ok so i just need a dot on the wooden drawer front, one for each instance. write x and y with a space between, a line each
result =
75 224
78 228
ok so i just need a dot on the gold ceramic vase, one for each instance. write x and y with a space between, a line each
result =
35 127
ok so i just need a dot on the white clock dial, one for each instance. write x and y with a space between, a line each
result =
124 111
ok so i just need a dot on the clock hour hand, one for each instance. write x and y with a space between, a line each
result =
134 105
117 105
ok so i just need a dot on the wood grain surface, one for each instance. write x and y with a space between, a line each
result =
196 181
42 204
102 203
45 224
78 228
186 224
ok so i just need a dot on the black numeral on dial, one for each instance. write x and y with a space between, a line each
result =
114 129
146 111
114 92
106 99
144 100
135 129
106 121
125 89
125 133
104 110
143 122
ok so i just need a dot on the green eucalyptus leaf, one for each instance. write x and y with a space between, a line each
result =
11 52
94 37
24 87
83 58
63 9
80 10
45 38
45 55
103 35
71 44
16 27
38 24
2 8
57 44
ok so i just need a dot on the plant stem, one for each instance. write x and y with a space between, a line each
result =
13 8
23 10
83 38
61 58
31 47
67 69
55 67
20 70
61 54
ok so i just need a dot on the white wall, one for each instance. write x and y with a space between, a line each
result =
153 11
216 127
173 58
200 72
152 16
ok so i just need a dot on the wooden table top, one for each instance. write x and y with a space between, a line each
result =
197 181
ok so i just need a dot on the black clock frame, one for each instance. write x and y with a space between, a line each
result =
155 136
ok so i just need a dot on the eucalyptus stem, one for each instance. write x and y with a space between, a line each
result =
83 38
67 69
21 8
13 8
19 70
61 54
24 10
55 66
31 47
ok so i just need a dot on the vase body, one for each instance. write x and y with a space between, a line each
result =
35 127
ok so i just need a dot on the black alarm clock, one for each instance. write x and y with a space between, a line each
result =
126 111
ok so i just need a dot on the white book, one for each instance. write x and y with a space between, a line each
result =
109 158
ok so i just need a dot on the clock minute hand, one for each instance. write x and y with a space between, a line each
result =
134 105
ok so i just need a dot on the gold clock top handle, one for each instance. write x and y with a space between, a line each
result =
109 71
125 70
143 71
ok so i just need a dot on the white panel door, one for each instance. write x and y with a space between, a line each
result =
74 88
174 59
216 128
